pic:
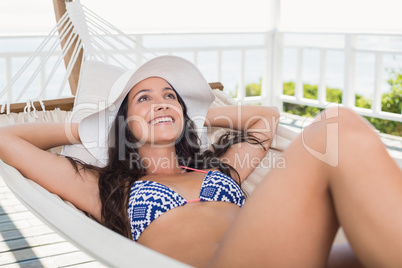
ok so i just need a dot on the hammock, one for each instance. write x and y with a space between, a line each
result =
82 35
97 40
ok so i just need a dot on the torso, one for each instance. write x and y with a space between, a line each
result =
192 232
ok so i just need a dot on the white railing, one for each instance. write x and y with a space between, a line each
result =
230 63
350 51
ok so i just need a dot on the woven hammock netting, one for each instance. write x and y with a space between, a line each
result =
45 75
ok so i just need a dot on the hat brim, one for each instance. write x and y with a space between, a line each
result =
180 73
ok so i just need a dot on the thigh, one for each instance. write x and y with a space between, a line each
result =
291 219
288 221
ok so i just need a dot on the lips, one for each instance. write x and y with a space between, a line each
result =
161 119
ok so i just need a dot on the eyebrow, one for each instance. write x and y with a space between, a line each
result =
148 90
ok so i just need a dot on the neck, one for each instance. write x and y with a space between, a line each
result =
160 160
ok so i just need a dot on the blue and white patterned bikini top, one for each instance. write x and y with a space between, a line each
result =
149 199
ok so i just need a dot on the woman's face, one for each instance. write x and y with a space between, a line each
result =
154 114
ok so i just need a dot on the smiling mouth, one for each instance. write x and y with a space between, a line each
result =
162 119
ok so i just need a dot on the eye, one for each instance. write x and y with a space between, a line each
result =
143 98
170 96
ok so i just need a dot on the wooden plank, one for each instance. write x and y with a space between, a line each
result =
53 261
11 210
26 232
37 252
16 208
9 202
20 224
65 104
87 265
27 242
15 244
8 226
73 258
5 194
216 85
39 263
16 216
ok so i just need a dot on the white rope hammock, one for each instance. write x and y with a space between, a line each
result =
78 29
81 29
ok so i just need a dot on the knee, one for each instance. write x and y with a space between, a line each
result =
341 115
337 131
346 118
352 128
349 117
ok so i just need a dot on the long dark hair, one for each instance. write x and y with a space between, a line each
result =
125 167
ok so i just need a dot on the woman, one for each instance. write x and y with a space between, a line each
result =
146 191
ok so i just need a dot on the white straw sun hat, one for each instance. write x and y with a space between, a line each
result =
184 77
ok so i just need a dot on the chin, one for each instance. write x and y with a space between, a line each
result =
166 140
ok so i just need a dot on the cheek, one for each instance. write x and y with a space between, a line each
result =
182 124
179 118
137 124
138 127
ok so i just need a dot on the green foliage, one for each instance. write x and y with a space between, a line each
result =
362 102
391 102
311 91
289 88
334 95
386 126
253 89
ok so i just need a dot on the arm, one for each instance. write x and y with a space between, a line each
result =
260 120
23 147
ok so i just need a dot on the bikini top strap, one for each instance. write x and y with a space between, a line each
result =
202 171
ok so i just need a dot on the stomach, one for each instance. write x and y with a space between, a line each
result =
190 233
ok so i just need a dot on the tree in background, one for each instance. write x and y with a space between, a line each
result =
390 102
253 89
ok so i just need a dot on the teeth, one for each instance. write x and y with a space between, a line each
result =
161 119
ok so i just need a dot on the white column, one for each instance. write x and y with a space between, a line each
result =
299 75
241 91
348 96
322 87
376 107
219 65
266 87
274 87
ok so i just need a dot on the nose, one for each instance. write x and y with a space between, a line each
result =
161 107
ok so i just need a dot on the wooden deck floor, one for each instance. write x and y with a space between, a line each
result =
25 241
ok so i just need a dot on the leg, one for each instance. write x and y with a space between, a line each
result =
367 194
291 219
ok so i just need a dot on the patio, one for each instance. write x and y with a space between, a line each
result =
274 57
25 241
